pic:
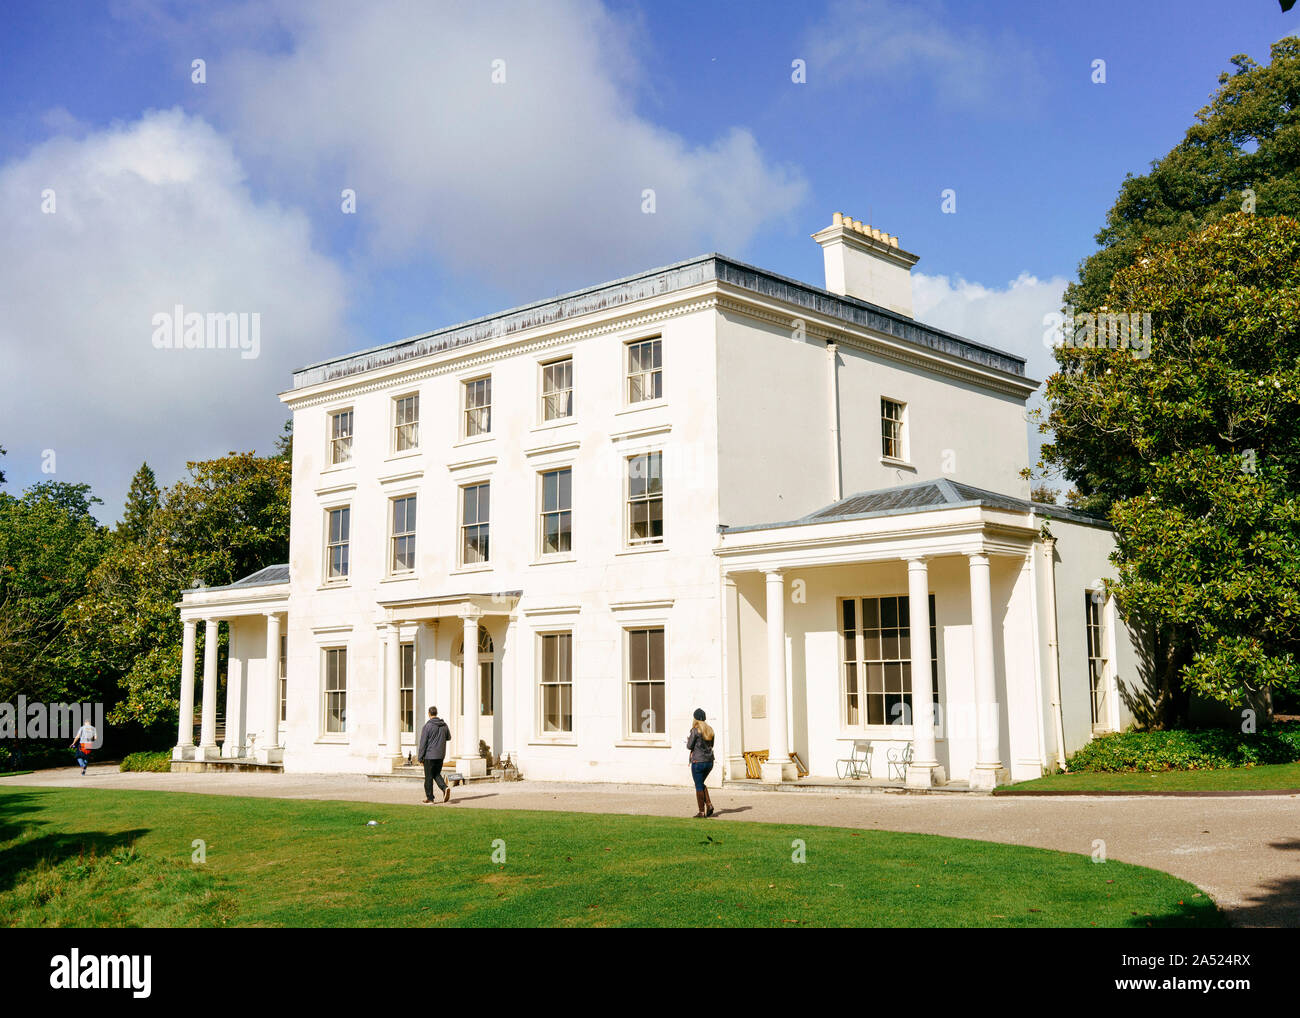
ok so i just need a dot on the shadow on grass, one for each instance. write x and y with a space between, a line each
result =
19 856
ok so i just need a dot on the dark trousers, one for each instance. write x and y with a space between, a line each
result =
433 773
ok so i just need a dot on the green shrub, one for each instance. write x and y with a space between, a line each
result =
161 762
1187 750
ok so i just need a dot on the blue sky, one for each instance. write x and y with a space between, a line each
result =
472 196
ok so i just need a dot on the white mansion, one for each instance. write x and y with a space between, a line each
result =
702 486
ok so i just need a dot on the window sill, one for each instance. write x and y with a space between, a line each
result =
336 468
332 740
542 741
335 585
648 549
486 567
396 457
882 733
889 461
554 560
559 422
645 404
660 742
400 578
476 440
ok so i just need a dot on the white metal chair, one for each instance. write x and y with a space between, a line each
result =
898 759
858 763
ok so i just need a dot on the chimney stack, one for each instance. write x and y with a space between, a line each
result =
863 262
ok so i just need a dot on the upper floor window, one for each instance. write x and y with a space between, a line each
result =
402 559
406 423
475 512
341 436
891 429
338 539
557 511
645 375
557 390
645 499
478 407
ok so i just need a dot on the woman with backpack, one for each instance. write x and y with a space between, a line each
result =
700 744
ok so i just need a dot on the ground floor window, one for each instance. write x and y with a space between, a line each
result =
876 654
1092 604
407 689
557 683
284 676
336 689
645 681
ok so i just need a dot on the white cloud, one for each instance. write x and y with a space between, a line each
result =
1012 318
147 215
521 184
899 44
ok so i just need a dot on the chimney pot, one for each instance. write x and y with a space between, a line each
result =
878 272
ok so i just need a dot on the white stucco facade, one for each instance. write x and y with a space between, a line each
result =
745 412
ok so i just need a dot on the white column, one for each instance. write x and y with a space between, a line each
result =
469 763
393 696
208 749
988 768
779 767
924 771
269 750
185 725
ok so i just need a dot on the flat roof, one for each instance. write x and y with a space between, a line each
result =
655 282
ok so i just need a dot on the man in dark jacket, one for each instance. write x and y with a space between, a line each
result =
433 747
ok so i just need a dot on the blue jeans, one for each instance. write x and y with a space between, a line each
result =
700 771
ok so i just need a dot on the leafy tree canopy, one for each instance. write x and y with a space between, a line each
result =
1195 449
1244 146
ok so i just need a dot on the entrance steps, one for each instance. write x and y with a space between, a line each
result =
230 763
409 773
848 786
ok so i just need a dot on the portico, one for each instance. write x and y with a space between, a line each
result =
254 610
837 602
457 621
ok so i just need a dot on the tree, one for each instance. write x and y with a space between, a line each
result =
228 519
1195 452
141 504
284 444
1243 153
3 452
49 546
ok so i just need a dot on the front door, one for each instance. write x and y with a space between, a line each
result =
487 687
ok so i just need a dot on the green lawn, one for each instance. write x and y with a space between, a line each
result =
1226 779
86 857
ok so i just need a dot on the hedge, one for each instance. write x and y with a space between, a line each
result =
1187 750
161 762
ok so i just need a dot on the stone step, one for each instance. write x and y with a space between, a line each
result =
227 764
416 774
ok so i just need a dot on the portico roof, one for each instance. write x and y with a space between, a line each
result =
266 590
921 496
427 608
